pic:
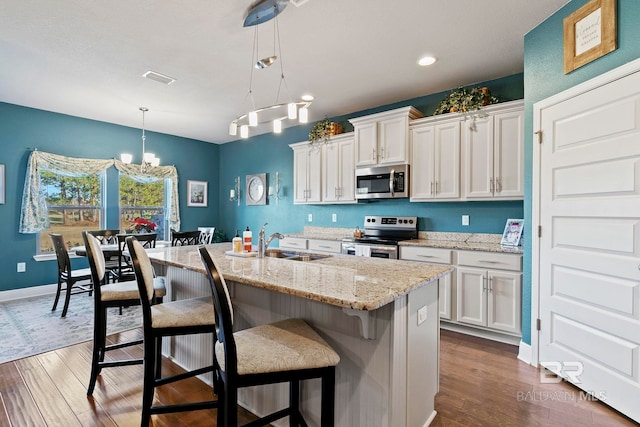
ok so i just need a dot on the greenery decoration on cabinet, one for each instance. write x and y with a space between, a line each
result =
465 100
322 130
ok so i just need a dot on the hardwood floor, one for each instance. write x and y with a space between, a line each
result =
481 384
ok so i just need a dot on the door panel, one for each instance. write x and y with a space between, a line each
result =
589 269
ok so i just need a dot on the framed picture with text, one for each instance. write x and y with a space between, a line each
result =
197 193
512 232
589 33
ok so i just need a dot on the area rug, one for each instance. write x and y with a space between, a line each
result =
29 327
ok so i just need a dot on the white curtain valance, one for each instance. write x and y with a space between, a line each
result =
34 217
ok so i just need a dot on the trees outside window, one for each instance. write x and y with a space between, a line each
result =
74 204
143 200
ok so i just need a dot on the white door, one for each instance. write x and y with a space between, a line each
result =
422 143
504 301
508 155
478 158
472 295
589 249
447 161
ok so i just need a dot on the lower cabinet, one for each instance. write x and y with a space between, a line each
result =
484 291
446 285
489 290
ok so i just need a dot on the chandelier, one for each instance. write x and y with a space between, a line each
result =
149 160
279 110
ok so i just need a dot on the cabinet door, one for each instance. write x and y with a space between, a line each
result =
444 297
306 175
504 301
347 168
338 172
330 172
393 140
422 143
366 136
509 155
471 295
314 176
447 161
478 158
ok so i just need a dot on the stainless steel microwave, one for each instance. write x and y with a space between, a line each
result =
382 182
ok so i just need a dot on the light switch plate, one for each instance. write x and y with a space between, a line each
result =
334 217
465 219
422 314
310 218
22 267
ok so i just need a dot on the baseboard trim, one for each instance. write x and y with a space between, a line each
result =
33 291
525 352
481 333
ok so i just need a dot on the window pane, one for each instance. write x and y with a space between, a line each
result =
142 200
74 205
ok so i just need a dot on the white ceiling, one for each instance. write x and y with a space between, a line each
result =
86 58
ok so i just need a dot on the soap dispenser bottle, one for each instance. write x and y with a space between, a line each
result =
237 243
247 237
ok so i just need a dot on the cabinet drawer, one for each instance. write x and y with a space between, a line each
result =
490 260
333 246
420 253
293 243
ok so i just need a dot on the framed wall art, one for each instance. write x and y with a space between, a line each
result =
197 193
512 232
589 33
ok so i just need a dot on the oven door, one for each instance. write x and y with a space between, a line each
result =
371 250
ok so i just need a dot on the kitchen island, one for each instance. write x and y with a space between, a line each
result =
381 316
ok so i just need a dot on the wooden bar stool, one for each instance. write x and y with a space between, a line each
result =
104 297
68 275
285 351
182 317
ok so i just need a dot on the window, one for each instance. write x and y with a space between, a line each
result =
144 200
74 204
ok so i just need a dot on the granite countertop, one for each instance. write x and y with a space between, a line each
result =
341 280
431 239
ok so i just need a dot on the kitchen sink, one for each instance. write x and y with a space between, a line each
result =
294 256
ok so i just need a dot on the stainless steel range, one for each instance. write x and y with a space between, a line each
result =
381 236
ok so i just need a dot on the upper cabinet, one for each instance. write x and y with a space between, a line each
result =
325 173
383 138
338 170
306 173
435 160
493 153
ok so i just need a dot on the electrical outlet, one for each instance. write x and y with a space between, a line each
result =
310 218
334 217
22 267
422 314
465 219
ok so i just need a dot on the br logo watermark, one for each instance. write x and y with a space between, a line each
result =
556 372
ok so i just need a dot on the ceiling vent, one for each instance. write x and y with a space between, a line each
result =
161 78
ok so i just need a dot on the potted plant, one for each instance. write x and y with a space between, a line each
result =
466 100
322 130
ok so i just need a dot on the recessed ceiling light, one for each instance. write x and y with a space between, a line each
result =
426 60
307 97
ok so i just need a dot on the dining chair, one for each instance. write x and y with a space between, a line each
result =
206 235
168 319
124 270
285 351
107 296
67 275
184 238
108 237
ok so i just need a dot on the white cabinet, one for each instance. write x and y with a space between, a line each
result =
306 173
446 285
489 287
493 153
321 245
338 170
383 138
298 243
435 160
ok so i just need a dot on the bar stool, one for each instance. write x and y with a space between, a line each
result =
106 296
182 317
285 351
185 238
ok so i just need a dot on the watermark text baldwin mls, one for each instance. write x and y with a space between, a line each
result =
560 396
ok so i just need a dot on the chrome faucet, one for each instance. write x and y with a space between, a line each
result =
262 245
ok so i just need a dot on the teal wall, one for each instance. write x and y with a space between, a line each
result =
23 129
544 76
270 153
